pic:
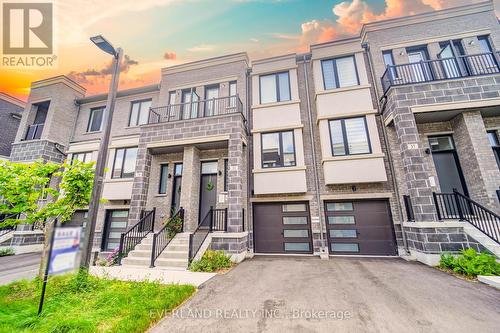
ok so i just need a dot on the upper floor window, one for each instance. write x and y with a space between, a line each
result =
339 72
278 149
124 164
349 136
139 113
389 61
84 157
484 43
96 119
274 88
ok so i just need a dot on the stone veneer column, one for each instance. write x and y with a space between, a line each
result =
414 172
141 184
235 183
190 187
476 158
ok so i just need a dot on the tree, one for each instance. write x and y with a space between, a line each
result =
40 193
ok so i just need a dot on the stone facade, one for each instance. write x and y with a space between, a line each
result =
37 150
10 115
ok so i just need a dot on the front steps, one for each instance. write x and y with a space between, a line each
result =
175 255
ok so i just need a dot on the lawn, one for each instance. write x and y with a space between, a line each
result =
81 303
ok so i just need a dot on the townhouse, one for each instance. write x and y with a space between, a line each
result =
362 146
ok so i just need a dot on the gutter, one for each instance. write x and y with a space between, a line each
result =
323 249
381 107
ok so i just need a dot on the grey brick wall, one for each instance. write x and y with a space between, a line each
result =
8 125
438 240
27 151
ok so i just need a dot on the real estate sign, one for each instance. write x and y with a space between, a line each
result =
65 248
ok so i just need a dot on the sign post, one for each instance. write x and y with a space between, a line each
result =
63 251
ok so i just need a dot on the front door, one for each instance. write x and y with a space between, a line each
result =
208 188
116 224
447 166
176 188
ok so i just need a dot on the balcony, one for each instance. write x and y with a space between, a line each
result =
34 132
440 69
196 109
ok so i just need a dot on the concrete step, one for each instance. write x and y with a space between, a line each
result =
144 247
129 261
174 255
174 247
140 254
181 263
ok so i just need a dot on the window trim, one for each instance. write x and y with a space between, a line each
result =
163 165
335 71
344 136
276 82
140 101
91 116
281 149
123 162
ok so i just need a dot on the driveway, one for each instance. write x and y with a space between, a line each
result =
21 266
278 294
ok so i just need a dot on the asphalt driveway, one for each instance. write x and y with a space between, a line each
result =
277 294
18 267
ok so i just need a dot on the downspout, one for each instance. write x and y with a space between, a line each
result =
323 249
249 161
366 47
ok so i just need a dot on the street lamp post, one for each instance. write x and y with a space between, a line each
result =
117 54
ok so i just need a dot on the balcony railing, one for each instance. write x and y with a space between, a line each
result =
34 132
197 109
440 69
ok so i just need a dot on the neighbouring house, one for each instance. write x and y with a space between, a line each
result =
382 144
11 110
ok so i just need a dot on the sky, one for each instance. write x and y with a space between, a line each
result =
161 33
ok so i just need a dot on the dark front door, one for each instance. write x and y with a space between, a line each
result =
176 188
116 224
447 165
282 228
360 227
208 188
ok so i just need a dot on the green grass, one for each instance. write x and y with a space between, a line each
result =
81 303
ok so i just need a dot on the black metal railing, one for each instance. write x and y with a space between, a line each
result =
219 221
136 234
196 109
197 238
6 230
34 132
410 215
456 206
162 238
440 69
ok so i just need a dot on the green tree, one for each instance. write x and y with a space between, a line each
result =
40 193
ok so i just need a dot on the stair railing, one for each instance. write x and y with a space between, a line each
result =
458 206
197 238
164 236
136 234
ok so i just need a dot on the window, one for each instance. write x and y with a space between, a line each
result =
441 143
124 164
171 98
163 179
84 157
232 93
300 247
339 233
341 220
296 233
294 220
226 170
495 145
349 136
274 88
139 113
339 206
484 43
209 168
95 120
344 247
288 208
389 61
339 72
278 149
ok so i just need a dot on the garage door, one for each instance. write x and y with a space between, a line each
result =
282 228
360 227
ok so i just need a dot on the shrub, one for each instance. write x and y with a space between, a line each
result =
211 261
470 263
7 252
174 226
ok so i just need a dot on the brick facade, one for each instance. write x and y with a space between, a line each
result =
10 115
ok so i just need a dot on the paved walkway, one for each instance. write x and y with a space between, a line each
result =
340 295
21 266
